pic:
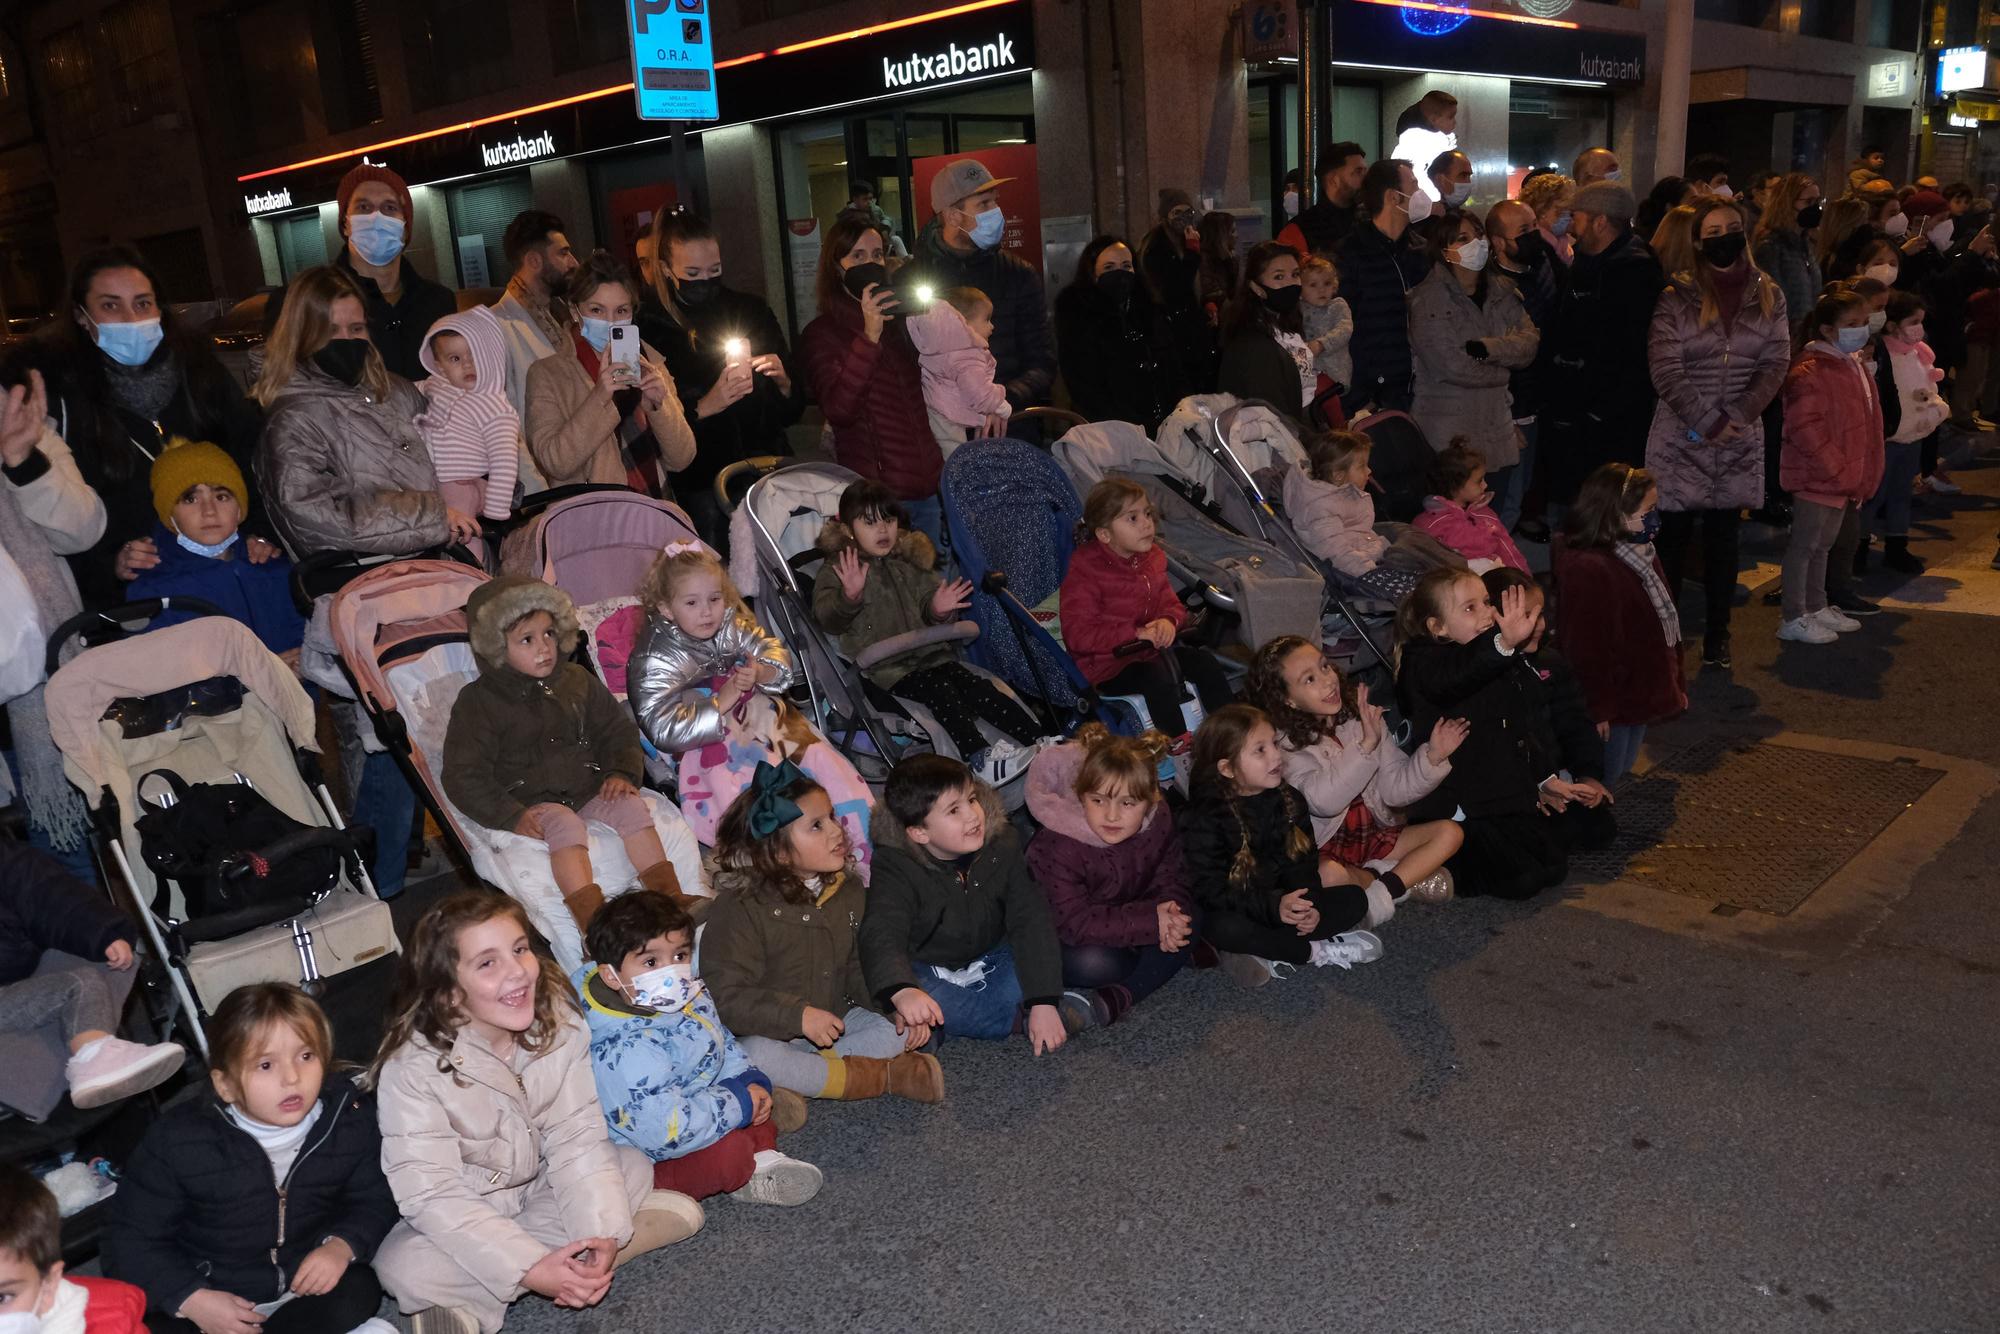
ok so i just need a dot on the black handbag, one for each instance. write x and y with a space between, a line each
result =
234 854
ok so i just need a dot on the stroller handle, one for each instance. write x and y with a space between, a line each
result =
759 464
115 618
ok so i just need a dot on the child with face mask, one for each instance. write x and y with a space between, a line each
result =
36 1296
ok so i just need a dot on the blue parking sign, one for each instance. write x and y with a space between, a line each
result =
673 59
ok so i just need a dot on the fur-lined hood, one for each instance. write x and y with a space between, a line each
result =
498 603
886 831
912 546
1052 798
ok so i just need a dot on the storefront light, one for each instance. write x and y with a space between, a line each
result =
1471 73
1466 12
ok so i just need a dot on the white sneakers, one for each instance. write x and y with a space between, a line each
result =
779 1179
112 1068
1347 949
1003 761
1836 620
1807 630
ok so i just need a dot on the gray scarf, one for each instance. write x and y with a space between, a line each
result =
144 391
1639 557
54 805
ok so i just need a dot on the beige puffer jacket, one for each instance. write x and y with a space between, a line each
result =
461 1146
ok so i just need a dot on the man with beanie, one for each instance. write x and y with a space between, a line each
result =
1597 387
199 495
963 250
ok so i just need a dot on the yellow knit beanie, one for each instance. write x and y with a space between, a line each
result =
185 464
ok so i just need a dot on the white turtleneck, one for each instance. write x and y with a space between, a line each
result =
280 1143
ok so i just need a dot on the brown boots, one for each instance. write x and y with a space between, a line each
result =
583 903
788 1110
661 878
914 1075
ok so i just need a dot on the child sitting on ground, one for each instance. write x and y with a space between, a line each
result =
958 368
32 1281
1459 510
262 1206
1109 860
538 747
780 957
1252 864
199 494
470 427
1355 780
708 685
674 1084
881 582
1120 616
1325 321
957 933
1334 516
492 1137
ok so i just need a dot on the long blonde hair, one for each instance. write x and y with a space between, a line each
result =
1673 240
1837 222
303 328
1781 207
1703 272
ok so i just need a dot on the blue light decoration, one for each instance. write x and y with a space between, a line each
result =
1433 22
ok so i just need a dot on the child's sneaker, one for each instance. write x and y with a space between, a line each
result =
1347 949
1083 1009
779 1179
112 1068
1002 762
1247 970
443 1320
662 1218
1836 620
1806 630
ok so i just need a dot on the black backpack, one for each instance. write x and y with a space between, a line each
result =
235 855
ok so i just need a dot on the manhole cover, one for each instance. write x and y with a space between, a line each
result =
1754 826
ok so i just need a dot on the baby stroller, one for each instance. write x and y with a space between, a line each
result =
402 637
159 730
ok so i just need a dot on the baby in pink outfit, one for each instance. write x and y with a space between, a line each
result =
470 426
959 388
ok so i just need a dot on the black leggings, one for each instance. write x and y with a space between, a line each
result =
1718 559
1340 907
962 699
353 1301
1155 680
1136 972
1519 856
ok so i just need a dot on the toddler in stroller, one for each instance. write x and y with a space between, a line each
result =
1334 516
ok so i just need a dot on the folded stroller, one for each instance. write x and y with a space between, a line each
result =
402 636
141 721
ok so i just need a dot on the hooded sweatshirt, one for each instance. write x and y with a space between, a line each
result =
474 434
1099 893
958 369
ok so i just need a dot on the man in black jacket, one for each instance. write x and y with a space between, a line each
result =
1597 388
964 251
1322 227
1378 269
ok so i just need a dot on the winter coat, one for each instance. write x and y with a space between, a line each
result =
1456 394
1497 769
1213 829
474 435
54 497
1833 429
1256 365
1173 279
462 1145
1597 392
1950 291
1789 257
43 907
1377 276
1473 531
1332 325
198 1205
1562 734
398 328
1321 227
1630 675
667 677
260 596
1333 772
529 334
1104 600
696 355
1099 893
896 600
671 1082
957 367
574 431
1119 363
1540 285
1022 346
1337 523
922 910
1919 408
342 472
517 741
1709 378
765 959
873 398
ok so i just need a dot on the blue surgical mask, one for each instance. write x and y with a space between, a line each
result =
202 549
988 228
1851 339
376 237
1561 225
666 988
597 332
128 344
1648 529
1613 174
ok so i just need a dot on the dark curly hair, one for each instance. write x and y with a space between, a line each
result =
764 860
1266 688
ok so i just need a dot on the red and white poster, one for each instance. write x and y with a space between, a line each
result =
802 243
1020 196
632 211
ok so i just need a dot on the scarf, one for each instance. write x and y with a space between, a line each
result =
635 443
144 391
1639 556
54 806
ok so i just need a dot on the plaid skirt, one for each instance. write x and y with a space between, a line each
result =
1361 838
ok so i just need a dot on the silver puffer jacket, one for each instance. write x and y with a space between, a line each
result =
664 670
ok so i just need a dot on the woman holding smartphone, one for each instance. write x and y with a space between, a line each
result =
606 411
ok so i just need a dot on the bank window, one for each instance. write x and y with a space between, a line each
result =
1548 126
456 49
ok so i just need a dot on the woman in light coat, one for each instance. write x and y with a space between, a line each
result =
1718 351
1468 333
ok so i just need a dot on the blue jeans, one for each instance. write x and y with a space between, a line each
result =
1621 751
386 803
1507 504
987 1008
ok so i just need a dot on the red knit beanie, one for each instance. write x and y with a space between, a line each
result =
354 178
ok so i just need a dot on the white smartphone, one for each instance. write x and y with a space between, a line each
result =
625 348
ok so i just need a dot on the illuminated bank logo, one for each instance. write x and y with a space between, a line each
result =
954 62
268 202
522 149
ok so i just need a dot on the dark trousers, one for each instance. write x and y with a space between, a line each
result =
1156 680
1126 976
353 1300
1519 856
1774 444
719 1168
1718 559
962 699
711 521
1340 907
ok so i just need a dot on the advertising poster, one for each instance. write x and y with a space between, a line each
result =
1020 197
802 242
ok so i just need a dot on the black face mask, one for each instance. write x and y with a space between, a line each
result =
1116 284
1809 216
1723 251
1529 250
343 358
696 292
856 279
1283 300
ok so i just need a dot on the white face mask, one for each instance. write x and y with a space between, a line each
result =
1613 174
20 1322
1940 235
1882 273
667 988
1897 224
1877 320
1724 192
1470 255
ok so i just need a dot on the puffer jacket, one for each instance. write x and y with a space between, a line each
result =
958 368
462 1144
765 959
573 430
516 741
667 677
44 907
1920 408
342 472
1710 378
198 1206
474 434
1791 261
1105 598
1337 523
922 910
1214 828
1473 531
1456 394
1333 771
1119 363
1833 429
895 601
1099 893
873 398
1023 347
1377 276
260 596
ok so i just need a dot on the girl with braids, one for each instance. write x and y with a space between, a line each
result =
1248 852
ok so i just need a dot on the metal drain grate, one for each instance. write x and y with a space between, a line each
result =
1754 826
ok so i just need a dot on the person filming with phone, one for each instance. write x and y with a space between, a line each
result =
606 411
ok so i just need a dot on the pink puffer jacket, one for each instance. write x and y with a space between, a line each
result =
958 369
